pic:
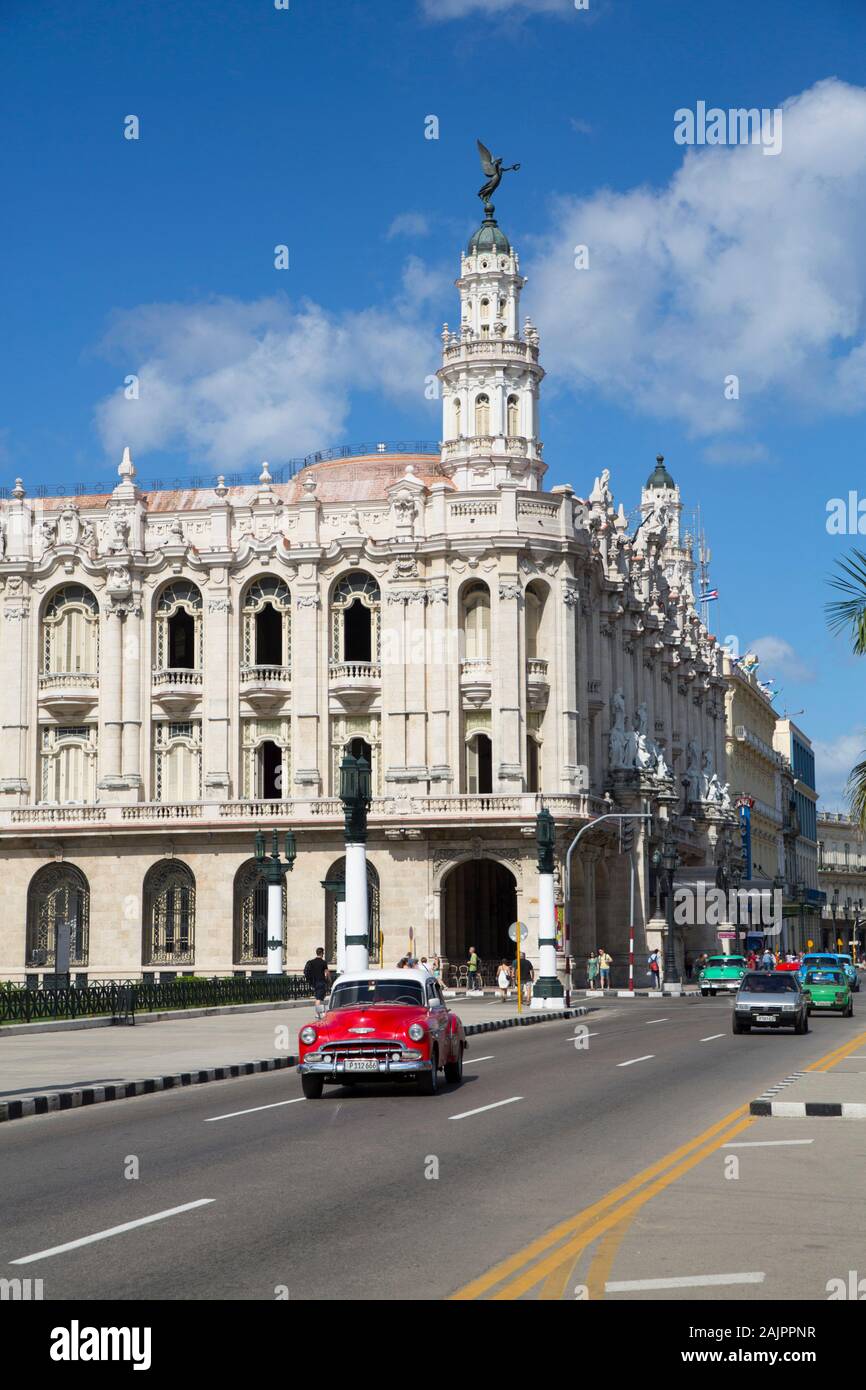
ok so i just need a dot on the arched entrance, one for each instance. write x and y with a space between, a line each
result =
479 903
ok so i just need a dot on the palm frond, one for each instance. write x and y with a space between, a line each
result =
856 793
849 613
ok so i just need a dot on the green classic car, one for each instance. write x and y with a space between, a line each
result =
828 989
722 973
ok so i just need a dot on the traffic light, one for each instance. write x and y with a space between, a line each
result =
626 836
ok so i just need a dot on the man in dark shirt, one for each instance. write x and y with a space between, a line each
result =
316 974
527 975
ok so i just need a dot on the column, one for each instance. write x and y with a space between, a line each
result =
442 673
15 694
215 702
307 663
275 923
130 764
548 992
111 707
356 908
510 680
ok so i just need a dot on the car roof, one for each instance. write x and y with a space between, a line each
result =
356 976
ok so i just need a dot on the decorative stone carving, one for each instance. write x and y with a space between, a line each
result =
511 591
618 738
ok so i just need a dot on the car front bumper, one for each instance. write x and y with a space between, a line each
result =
768 1018
719 984
338 1071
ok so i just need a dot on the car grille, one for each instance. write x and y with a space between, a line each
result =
363 1048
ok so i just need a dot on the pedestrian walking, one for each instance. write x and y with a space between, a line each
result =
591 971
527 975
472 971
503 979
422 965
604 964
316 975
655 969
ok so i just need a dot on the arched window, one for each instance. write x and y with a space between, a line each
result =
251 915
178 627
482 415
70 632
267 758
457 417
479 764
534 609
177 760
169 914
485 326
513 417
355 607
532 764
58 896
337 874
68 763
267 624
476 622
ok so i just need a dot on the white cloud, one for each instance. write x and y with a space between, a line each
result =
834 759
580 126
231 383
409 224
459 9
742 264
778 658
736 453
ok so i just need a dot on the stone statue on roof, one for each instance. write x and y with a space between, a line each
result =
493 171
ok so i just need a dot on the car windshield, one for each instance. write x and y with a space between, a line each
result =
725 960
366 992
768 984
825 977
845 960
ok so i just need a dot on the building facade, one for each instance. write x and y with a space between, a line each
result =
842 877
800 808
183 668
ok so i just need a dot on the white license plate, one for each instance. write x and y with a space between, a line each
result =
765 1018
821 1003
362 1064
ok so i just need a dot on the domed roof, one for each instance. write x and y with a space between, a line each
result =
489 237
660 477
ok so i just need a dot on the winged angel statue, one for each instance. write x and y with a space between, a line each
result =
494 171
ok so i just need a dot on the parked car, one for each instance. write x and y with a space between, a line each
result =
721 973
788 965
382 1025
850 969
827 989
768 999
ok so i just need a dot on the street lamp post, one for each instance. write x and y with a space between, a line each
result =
800 894
275 871
778 888
548 992
669 860
355 796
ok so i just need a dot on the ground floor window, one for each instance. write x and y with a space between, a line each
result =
337 874
251 915
59 896
169 914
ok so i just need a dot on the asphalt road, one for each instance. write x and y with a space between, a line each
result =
332 1199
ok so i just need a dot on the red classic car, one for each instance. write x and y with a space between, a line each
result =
382 1025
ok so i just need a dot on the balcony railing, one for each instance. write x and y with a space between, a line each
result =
356 670
279 675
175 675
64 680
222 814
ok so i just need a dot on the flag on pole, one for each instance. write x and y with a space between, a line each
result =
708 596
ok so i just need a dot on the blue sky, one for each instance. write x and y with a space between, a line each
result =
305 127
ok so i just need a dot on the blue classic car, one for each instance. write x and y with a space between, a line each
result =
850 969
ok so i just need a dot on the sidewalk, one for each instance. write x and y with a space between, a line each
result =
67 1061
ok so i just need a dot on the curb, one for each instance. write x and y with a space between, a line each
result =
809 1109
66 1025
125 1090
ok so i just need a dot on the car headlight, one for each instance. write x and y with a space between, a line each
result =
308 1035
841 996
416 1032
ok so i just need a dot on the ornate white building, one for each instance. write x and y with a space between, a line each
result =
181 668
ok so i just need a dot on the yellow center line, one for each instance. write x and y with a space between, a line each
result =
532 1276
593 1221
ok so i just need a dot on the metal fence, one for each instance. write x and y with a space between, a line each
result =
126 998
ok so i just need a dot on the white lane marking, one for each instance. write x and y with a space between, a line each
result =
766 1143
648 1021
233 1113
112 1231
580 1035
488 1058
464 1115
648 1058
688 1281
713 1037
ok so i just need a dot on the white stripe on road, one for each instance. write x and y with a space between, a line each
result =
648 1021
233 1113
112 1231
580 1037
688 1281
464 1115
647 1058
488 1058
766 1143
713 1037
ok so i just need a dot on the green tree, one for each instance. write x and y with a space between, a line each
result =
848 615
